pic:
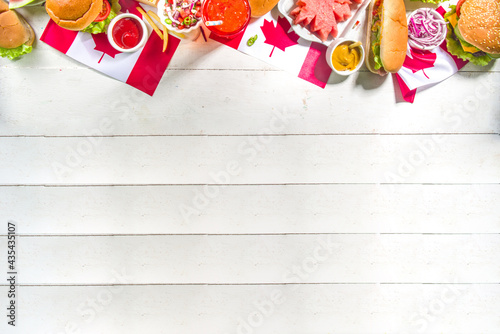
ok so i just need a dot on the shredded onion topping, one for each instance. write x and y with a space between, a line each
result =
426 30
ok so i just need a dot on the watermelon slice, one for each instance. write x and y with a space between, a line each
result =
324 24
322 15
342 11
303 15
13 4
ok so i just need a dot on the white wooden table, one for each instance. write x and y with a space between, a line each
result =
240 199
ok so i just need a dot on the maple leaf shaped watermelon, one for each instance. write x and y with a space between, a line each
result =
322 15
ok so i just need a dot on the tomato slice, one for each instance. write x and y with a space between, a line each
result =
106 9
459 4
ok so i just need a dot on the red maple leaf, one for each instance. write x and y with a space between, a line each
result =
419 61
278 36
102 44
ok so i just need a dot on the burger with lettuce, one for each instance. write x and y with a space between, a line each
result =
16 35
474 30
92 16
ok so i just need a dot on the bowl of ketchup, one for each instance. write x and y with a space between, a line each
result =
127 32
226 18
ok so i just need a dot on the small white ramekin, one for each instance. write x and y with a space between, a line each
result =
144 37
333 46
436 16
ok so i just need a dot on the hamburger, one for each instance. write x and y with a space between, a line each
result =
91 16
386 36
474 30
16 35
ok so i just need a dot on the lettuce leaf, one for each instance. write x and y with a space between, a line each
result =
375 38
100 27
16 52
376 57
376 50
455 48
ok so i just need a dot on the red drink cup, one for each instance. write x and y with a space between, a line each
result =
226 18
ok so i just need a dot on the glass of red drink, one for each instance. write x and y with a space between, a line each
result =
226 18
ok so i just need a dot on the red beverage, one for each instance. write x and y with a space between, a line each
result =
232 15
127 33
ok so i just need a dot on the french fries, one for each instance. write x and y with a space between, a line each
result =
155 16
165 39
150 14
164 28
146 16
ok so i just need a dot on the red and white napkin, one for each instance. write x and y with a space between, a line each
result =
423 69
142 69
278 45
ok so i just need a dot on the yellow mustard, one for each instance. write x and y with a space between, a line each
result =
345 59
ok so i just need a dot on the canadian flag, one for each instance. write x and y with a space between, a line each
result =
142 69
423 69
279 46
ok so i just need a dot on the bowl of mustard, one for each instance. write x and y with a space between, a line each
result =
345 56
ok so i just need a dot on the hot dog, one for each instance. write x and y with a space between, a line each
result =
387 36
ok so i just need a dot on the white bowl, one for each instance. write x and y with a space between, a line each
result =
161 15
333 46
144 37
438 17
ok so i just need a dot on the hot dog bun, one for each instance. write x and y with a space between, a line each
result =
261 7
393 36
479 24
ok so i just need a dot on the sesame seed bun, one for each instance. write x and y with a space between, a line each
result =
73 14
14 30
479 24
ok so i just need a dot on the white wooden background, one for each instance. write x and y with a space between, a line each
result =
241 200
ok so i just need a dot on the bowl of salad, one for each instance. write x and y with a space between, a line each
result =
181 16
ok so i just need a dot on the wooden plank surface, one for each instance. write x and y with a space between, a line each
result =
268 209
257 259
229 309
251 159
468 103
